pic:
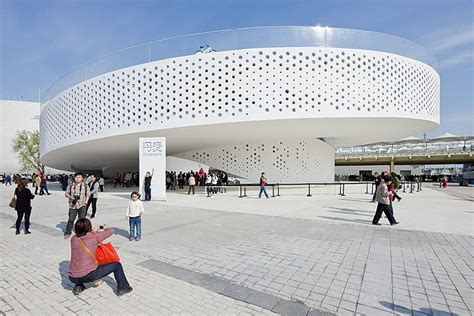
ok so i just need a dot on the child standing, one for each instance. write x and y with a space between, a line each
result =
134 212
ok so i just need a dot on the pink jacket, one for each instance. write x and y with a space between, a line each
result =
81 262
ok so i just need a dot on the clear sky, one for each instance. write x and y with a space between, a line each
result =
41 39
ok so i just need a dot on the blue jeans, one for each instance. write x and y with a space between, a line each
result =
102 271
135 222
262 189
147 193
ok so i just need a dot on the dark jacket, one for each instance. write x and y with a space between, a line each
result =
23 199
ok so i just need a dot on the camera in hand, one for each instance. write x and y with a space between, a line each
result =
75 198
101 227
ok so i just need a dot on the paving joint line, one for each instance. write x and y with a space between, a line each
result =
235 291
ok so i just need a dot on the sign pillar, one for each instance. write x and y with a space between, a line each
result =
153 160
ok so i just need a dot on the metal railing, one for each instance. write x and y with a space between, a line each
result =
242 38
410 186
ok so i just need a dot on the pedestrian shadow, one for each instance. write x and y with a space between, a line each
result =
350 210
63 271
121 232
123 195
424 310
62 226
68 285
362 221
354 213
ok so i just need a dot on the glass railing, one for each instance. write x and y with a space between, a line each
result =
465 146
256 37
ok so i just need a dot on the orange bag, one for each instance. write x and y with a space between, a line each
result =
106 253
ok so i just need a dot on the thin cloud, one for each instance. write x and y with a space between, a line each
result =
456 59
454 40
448 38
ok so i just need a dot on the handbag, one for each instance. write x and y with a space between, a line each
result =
105 253
13 202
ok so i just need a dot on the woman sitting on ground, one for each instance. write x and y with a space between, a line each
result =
83 267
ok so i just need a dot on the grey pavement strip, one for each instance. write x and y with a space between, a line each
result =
234 291
38 227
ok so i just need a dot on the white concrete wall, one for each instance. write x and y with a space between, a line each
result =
179 164
283 161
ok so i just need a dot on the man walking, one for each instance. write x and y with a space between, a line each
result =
78 195
381 196
94 193
263 183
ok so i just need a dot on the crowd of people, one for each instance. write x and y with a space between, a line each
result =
82 191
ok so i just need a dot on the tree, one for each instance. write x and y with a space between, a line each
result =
26 146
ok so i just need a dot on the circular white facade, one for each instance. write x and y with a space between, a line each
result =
217 101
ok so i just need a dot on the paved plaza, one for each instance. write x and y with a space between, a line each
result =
291 255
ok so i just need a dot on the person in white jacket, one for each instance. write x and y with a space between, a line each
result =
135 210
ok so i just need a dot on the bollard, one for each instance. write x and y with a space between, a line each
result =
245 192
343 191
418 187
273 190
421 187
411 187
278 189
240 191
366 188
372 191
404 187
309 190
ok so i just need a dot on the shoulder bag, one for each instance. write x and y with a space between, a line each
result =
105 253
13 202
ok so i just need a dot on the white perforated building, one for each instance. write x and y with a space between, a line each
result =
273 99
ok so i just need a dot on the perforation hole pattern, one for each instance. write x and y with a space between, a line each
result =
295 161
241 85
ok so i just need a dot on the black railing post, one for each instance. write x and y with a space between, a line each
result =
278 189
340 189
366 188
411 187
273 190
309 190
372 190
240 191
245 191
421 186
343 191
404 187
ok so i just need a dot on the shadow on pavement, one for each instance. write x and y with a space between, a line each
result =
122 195
62 226
363 221
350 210
68 285
425 311
121 232
63 271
